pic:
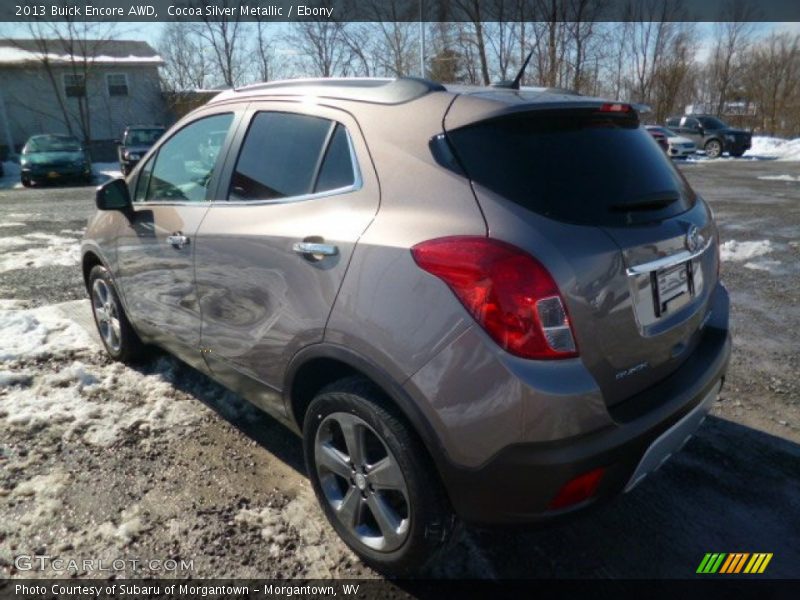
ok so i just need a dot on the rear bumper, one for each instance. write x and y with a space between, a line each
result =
519 482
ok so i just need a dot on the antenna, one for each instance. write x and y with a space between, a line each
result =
518 79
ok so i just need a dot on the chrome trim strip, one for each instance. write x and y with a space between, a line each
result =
667 261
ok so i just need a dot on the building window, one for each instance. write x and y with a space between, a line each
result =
117 84
75 85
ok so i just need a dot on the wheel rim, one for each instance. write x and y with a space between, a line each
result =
713 149
106 313
362 482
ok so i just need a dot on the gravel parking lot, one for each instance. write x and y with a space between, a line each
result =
101 461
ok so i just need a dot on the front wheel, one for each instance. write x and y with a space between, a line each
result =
118 336
713 149
373 479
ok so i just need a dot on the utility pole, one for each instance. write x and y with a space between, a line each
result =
421 41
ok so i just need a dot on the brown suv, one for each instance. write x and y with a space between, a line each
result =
497 304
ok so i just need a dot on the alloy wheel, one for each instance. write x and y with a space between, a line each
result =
362 482
106 312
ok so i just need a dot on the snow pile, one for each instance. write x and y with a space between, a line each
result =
780 177
75 392
109 170
38 333
741 251
48 250
765 264
771 147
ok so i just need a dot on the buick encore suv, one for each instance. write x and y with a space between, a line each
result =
472 303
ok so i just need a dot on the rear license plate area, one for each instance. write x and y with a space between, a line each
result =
672 287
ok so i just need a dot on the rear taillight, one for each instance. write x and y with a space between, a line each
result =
507 291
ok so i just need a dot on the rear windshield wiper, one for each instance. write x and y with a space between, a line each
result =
655 201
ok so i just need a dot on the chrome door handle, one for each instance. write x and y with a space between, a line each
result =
315 248
178 240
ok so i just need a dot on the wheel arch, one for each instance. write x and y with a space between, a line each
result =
319 365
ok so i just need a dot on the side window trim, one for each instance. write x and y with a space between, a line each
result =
227 170
326 145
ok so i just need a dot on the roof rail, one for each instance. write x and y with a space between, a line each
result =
363 89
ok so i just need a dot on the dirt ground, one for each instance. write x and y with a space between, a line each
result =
101 462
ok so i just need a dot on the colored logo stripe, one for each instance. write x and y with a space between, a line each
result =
711 563
758 563
716 562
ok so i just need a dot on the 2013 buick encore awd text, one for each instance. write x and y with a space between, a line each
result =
488 304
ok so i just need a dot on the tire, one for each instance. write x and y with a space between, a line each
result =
416 518
118 336
25 180
713 148
737 154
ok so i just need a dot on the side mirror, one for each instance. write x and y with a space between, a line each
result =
113 195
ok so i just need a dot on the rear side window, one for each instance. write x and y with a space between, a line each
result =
581 167
285 155
337 166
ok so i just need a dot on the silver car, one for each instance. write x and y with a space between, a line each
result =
471 303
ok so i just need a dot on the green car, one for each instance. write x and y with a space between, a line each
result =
54 157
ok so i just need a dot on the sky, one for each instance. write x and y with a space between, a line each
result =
151 32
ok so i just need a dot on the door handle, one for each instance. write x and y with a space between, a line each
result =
177 240
315 249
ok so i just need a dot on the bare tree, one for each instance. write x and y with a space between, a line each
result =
186 65
265 51
222 34
772 79
473 34
322 43
732 37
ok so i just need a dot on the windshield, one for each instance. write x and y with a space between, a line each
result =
712 123
575 166
52 144
142 137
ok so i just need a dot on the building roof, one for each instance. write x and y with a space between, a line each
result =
20 52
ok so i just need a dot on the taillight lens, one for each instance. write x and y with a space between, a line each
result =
507 291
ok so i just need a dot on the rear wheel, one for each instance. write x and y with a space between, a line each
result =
373 479
713 149
118 336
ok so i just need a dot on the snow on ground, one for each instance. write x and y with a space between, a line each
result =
35 250
780 177
108 170
54 377
772 147
741 251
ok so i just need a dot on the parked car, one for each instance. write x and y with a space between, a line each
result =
497 304
677 146
136 141
660 139
54 157
711 134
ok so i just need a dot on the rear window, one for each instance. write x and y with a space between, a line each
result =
581 167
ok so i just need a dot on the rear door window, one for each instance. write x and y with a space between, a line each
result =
578 166
286 155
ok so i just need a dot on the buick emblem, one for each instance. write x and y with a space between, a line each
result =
694 239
